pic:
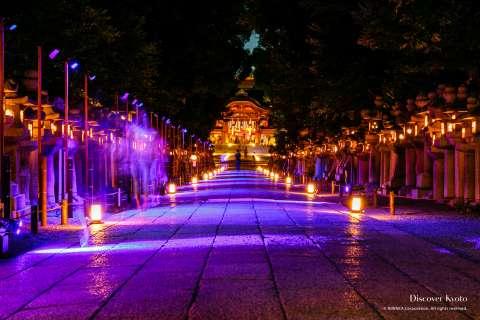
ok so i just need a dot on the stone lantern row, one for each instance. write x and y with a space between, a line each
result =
135 156
429 149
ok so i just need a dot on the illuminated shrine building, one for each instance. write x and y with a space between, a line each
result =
243 122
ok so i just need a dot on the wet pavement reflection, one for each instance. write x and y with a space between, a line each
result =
241 246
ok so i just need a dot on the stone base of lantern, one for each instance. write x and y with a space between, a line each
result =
424 181
420 193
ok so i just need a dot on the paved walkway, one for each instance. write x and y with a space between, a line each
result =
243 247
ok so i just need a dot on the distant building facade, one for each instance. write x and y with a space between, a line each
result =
244 122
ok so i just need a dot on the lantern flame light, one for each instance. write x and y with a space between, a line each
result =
172 188
96 213
356 204
310 188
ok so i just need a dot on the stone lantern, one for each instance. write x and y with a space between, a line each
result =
462 93
410 105
472 103
421 101
449 94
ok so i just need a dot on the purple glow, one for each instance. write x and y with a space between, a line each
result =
53 54
347 188
125 96
134 101
74 65
140 104
92 77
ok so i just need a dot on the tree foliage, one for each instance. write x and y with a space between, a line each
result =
326 60
178 57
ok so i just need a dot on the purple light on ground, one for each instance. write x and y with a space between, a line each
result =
53 54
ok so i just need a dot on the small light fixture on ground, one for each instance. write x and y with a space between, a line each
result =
310 188
172 188
205 176
288 180
210 175
272 174
276 176
96 213
194 180
259 169
357 204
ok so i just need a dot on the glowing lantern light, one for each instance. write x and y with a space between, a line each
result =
172 188
272 174
53 54
194 180
463 133
205 176
357 204
276 176
288 180
74 65
310 188
474 127
259 168
96 213
210 175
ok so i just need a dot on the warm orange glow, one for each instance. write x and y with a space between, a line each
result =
310 188
272 174
288 180
474 127
194 180
210 175
172 188
96 213
205 176
463 133
276 176
356 204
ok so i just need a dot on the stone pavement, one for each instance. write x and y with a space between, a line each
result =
243 247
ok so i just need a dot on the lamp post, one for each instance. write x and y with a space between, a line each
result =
2 111
42 161
65 204
86 128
